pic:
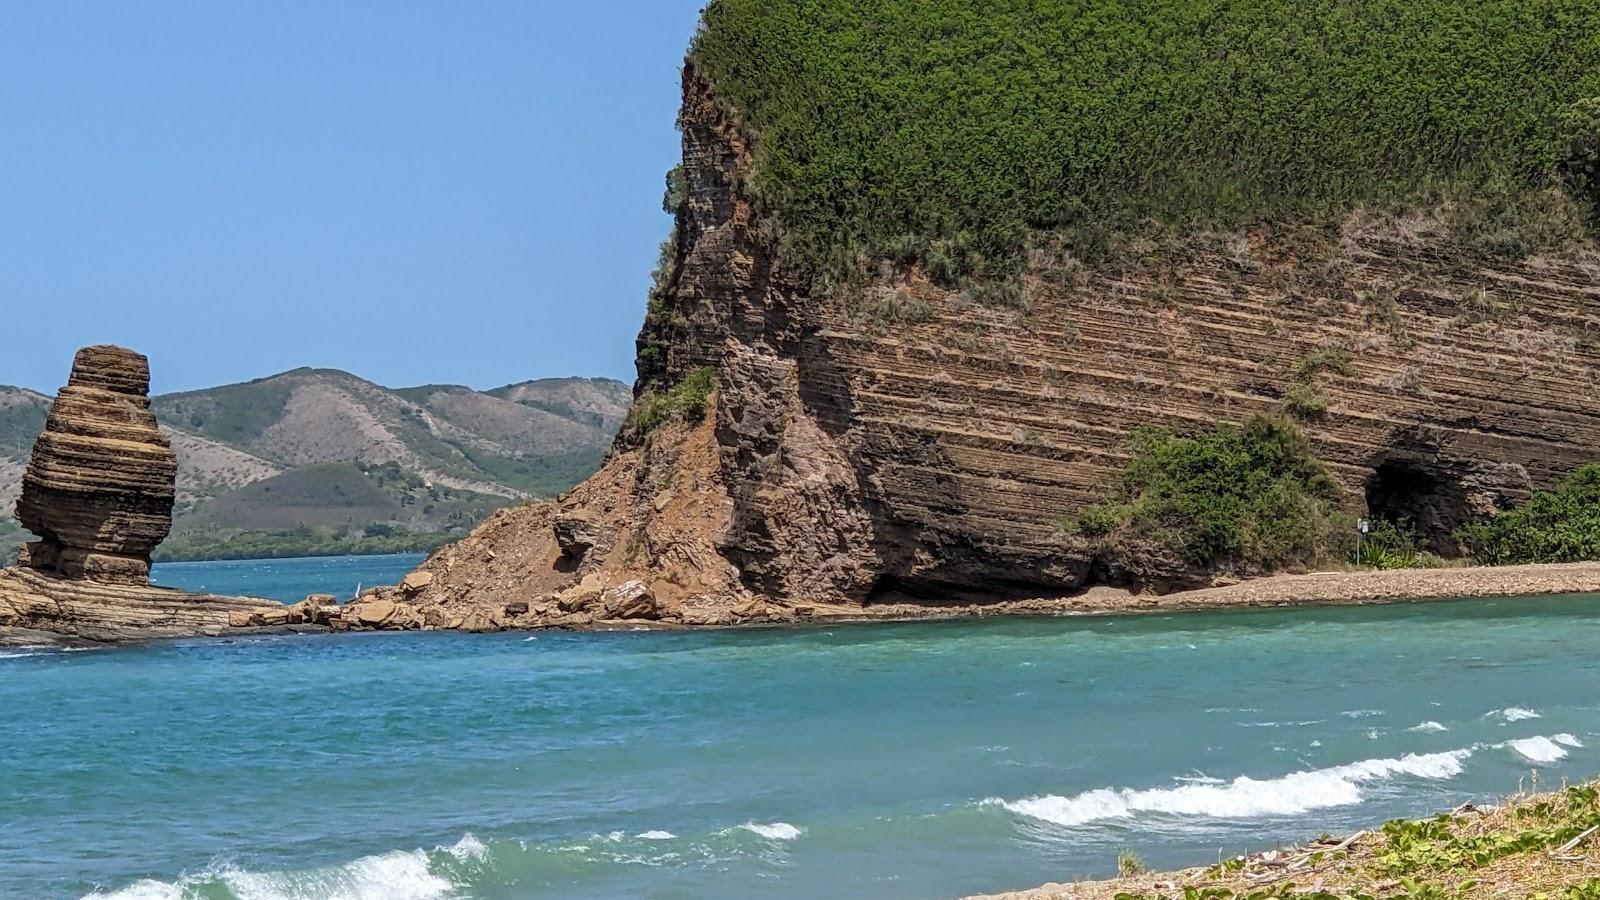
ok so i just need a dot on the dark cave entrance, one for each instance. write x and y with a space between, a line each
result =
1430 502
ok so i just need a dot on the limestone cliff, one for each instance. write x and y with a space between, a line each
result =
908 446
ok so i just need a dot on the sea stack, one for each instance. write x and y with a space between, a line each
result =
100 486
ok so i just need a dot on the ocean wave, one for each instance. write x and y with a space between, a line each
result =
1515 714
397 875
1241 798
142 890
1429 725
469 848
655 835
1542 749
773 831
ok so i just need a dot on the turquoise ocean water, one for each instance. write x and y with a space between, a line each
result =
896 761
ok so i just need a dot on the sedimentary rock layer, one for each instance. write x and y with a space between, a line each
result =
908 445
43 604
100 486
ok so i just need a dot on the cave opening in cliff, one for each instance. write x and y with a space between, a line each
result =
1429 502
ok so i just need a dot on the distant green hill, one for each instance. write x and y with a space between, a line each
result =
953 130
318 460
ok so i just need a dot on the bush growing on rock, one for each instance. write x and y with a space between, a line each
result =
686 401
1562 525
1251 496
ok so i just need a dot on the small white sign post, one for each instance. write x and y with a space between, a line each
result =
1363 527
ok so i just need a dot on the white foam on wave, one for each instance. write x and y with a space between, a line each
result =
142 890
1241 798
1515 714
397 875
1567 740
772 831
1537 749
468 848
655 835
1429 725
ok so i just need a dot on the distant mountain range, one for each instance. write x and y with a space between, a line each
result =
318 460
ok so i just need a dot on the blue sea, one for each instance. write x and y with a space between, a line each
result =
887 761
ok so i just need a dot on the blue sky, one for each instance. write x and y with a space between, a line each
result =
415 192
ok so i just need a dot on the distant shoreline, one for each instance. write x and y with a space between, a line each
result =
289 554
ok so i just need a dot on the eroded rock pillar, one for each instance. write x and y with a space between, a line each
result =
100 485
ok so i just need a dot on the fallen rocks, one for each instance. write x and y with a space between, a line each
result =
577 534
372 612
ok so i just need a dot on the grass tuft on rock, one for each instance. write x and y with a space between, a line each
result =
686 401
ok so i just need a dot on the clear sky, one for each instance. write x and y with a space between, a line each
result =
415 192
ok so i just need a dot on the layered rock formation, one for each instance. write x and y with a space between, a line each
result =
909 447
99 491
100 486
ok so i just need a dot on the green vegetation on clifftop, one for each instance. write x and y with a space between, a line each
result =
950 130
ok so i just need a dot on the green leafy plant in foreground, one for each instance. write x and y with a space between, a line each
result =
1252 496
1562 525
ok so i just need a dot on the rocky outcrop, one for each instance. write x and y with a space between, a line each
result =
100 486
99 492
39 607
906 446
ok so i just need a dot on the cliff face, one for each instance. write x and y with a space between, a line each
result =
907 445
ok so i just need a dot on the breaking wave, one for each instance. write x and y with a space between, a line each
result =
1241 798
1515 714
775 831
399 875
1543 749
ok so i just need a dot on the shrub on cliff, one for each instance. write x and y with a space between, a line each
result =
1251 496
686 401
1562 525
896 127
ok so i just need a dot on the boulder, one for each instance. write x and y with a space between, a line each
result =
577 535
374 612
315 609
630 600
417 581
